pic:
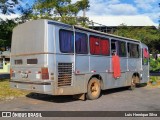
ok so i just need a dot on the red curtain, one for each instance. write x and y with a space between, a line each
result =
104 47
99 46
145 53
94 45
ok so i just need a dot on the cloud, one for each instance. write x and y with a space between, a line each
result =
110 7
112 1
154 16
149 8
118 8
12 16
122 9
146 5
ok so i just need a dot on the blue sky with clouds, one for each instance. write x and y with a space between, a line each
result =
121 8
125 7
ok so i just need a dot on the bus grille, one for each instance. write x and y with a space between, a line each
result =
65 71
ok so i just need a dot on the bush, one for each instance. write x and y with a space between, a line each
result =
155 64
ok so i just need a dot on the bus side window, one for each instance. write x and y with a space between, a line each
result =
133 50
122 49
118 47
145 55
113 47
128 50
1 63
66 40
104 44
99 46
81 43
94 45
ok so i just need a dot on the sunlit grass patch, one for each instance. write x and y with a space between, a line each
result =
7 93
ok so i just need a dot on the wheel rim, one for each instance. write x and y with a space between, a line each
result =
94 89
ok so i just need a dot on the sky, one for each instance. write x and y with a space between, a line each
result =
148 8
124 7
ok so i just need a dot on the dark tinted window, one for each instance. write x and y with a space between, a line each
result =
32 61
81 43
119 47
18 62
66 40
122 49
1 63
133 50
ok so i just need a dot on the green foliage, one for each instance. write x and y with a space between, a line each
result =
148 35
154 64
153 80
61 10
6 28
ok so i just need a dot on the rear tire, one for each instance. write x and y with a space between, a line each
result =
93 89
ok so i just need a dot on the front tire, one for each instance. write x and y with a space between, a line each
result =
93 89
134 82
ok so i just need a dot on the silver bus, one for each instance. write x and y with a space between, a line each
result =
54 58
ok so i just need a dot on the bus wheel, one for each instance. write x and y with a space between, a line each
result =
93 89
134 82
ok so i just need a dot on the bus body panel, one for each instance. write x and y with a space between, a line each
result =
97 66
69 73
25 34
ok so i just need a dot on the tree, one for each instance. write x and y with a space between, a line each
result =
83 5
148 35
6 28
62 10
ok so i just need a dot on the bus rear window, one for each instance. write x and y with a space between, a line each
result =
18 62
66 40
32 61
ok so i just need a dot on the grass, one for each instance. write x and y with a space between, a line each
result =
154 81
154 78
7 93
